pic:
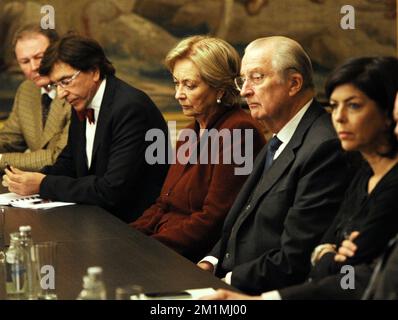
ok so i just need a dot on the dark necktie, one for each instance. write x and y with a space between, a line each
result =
45 107
273 145
87 114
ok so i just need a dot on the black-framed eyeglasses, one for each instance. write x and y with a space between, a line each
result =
66 81
255 78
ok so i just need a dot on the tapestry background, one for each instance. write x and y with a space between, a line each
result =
137 34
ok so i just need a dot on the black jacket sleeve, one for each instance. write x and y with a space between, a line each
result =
125 159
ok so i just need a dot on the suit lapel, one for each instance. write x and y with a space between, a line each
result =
54 116
104 114
246 190
282 163
38 130
79 136
288 154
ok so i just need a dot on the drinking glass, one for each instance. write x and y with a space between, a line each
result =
44 259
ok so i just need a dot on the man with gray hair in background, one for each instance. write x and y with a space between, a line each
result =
298 180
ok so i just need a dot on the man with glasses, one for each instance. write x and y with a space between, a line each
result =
104 161
36 130
297 182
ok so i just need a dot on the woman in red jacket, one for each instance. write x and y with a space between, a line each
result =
208 172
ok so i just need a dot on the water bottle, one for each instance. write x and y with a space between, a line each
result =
27 245
93 286
15 266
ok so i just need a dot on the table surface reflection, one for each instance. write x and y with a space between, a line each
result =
90 236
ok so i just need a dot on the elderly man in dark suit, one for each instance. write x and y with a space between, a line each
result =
290 199
104 161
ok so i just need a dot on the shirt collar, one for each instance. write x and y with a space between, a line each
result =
99 95
52 93
286 133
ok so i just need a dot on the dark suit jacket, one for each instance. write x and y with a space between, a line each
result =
330 288
386 279
276 221
119 179
195 198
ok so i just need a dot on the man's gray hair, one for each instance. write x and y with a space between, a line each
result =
288 55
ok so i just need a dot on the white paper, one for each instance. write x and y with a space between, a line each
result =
31 202
7 198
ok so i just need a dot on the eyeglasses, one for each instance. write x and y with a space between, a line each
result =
66 81
255 78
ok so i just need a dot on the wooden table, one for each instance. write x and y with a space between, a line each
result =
88 236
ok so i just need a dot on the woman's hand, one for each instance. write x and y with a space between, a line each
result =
347 248
320 250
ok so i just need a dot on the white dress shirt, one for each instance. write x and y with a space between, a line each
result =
52 93
91 127
284 135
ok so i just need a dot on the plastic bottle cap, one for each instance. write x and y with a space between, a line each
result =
94 270
25 228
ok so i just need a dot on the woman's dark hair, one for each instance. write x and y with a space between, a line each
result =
377 77
79 52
